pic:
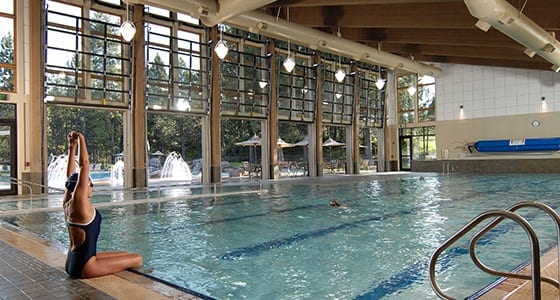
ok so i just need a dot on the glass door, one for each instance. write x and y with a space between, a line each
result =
8 150
7 159
405 153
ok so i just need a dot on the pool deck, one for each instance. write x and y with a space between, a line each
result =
31 268
518 289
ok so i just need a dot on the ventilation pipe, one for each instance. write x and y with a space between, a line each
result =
231 8
511 22
258 22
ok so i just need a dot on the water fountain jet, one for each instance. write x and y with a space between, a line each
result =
175 168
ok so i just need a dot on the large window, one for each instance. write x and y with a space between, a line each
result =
416 98
244 78
338 97
7 46
297 89
177 77
372 107
103 130
86 60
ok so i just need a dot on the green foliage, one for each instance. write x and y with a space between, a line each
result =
237 130
103 130
175 133
7 57
7 111
7 49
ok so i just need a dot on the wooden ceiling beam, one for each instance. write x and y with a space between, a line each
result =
430 30
430 15
467 37
312 3
446 14
534 65
514 54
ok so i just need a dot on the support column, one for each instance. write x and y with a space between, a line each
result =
35 170
356 122
273 116
215 126
138 147
318 140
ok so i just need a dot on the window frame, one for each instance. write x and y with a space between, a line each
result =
181 97
81 91
416 99
13 65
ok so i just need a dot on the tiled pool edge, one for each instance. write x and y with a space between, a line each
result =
123 285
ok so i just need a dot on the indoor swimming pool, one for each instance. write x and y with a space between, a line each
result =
282 240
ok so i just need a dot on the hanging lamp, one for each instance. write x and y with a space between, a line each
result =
411 90
380 83
289 63
221 47
128 30
340 74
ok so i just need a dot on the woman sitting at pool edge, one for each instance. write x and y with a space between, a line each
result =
84 221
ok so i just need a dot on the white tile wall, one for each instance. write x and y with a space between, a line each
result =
492 92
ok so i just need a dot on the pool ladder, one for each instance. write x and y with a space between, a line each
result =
499 216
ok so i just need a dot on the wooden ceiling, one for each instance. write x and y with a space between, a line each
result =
427 30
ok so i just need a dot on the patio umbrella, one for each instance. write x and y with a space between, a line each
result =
254 141
283 144
280 143
158 153
304 143
329 143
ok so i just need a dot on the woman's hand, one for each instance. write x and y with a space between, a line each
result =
73 138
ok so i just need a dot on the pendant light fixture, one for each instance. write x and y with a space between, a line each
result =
289 63
128 30
221 47
340 74
380 83
411 90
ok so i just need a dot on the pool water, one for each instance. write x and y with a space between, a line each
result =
288 243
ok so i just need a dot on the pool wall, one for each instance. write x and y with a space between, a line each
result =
489 165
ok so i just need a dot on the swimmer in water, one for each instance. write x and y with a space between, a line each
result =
334 202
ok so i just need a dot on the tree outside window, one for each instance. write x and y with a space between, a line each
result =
416 98
7 47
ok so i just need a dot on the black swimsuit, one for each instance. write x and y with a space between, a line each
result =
77 259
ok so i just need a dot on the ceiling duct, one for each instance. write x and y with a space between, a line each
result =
231 8
267 25
511 22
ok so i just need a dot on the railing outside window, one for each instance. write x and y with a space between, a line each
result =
177 77
338 97
86 60
244 73
297 90
372 107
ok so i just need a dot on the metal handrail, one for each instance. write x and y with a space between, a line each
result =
535 259
22 183
29 185
498 220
